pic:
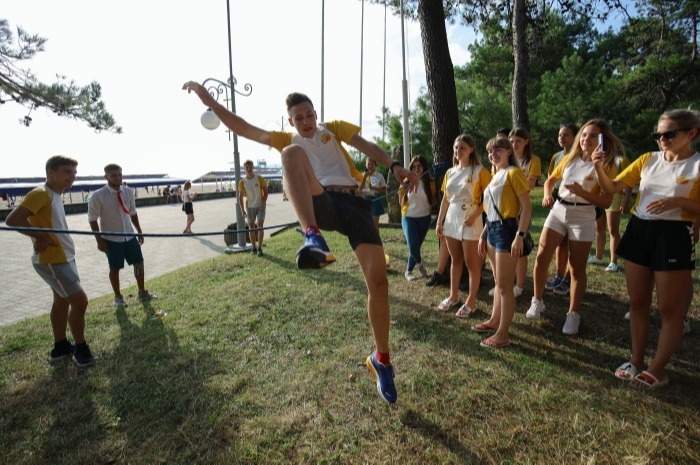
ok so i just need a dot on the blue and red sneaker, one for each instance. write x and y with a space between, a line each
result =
314 253
384 374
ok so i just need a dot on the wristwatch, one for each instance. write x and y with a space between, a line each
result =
521 233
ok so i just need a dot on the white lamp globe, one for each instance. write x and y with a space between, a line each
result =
209 120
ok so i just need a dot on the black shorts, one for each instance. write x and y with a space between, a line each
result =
661 245
347 214
187 208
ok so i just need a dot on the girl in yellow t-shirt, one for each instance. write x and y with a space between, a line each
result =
508 209
658 245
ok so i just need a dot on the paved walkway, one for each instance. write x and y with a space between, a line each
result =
25 295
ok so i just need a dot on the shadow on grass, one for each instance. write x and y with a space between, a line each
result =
434 433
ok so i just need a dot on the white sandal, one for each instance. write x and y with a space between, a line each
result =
447 304
464 311
626 372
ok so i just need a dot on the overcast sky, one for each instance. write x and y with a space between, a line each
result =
142 52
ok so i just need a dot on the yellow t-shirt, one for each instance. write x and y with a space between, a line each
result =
47 212
504 189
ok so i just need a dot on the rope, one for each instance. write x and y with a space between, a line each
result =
212 233
110 233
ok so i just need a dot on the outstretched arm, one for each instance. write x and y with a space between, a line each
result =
376 153
231 120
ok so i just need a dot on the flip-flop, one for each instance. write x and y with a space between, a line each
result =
447 304
483 328
626 372
647 381
464 311
492 344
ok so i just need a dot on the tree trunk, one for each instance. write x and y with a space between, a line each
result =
440 80
521 59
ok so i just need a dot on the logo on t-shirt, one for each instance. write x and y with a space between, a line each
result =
682 180
325 138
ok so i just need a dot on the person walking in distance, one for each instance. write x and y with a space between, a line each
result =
253 188
321 183
54 258
187 199
115 208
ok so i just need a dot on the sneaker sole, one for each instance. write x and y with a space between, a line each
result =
374 373
59 358
313 259
83 365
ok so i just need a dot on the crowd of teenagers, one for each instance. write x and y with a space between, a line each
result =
484 213
590 183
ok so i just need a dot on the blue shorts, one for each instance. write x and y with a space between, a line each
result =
501 234
117 252
377 205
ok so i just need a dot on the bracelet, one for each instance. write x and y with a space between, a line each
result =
393 165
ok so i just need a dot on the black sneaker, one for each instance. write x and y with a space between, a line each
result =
254 251
260 253
438 279
82 356
61 350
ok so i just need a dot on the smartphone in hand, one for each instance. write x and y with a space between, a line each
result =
600 143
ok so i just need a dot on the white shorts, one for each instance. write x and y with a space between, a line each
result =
575 221
454 226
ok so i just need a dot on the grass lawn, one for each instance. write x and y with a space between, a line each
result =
257 362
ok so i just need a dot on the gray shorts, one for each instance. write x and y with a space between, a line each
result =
255 215
62 278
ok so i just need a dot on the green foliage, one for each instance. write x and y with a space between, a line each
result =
63 97
628 76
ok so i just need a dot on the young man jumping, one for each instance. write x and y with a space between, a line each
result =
321 183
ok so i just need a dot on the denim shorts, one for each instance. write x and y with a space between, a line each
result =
377 204
501 234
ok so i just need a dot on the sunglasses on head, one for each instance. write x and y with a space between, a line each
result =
668 135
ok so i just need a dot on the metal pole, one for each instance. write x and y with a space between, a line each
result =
362 56
404 87
323 54
384 82
236 157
